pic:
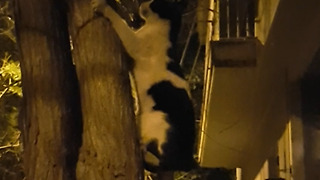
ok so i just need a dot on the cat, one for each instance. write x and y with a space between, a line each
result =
167 122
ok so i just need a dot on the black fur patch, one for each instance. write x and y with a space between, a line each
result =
171 10
175 102
152 147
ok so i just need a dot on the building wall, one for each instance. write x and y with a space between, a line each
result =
248 106
266 12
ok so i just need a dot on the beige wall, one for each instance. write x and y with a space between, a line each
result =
248 106
266 11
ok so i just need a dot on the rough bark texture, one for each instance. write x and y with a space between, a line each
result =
50 120
109 147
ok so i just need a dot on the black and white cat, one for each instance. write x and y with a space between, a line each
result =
167 122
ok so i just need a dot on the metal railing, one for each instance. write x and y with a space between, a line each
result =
236 18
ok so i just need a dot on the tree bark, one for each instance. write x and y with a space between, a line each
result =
51 118
109 147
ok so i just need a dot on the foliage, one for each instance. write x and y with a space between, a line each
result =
10 97
10 77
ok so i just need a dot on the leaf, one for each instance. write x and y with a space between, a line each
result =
15 90
10 75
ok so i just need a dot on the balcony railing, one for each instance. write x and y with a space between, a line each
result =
236 18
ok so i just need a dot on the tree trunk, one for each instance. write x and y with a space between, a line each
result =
50 120
109 147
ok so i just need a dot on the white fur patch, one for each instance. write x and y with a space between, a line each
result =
154 127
